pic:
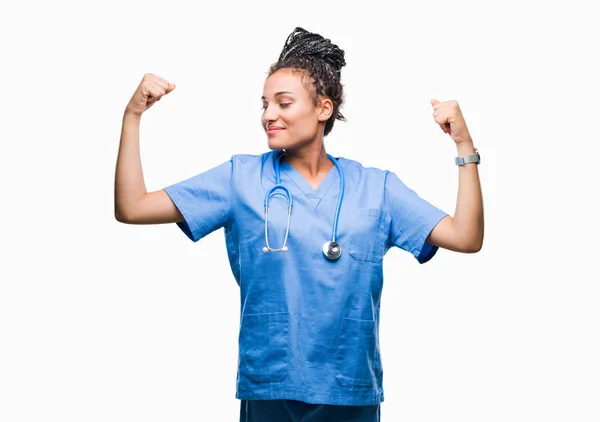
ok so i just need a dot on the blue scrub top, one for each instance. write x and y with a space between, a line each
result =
309 327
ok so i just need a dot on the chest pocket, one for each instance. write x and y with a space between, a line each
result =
368 237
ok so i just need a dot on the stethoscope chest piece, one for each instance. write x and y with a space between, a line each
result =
332 250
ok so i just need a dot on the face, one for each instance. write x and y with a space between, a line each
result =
289 117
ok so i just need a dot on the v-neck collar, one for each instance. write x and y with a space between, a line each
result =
313 195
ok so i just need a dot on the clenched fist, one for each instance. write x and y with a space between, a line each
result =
149 91
448 115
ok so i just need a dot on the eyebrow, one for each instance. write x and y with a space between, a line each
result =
278 94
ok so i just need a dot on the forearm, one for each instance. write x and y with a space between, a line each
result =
468 217
129 178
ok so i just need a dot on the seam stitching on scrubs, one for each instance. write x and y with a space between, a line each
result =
231 215
386 207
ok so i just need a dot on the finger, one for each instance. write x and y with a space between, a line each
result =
445 128
157 90
435 103
440 116
441 120
151 91
165 85
151 99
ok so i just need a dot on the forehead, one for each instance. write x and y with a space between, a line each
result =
285 80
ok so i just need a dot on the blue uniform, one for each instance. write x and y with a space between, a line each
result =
309 327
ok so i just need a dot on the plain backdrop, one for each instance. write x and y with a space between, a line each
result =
103 321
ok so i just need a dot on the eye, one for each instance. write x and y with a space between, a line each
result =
282 105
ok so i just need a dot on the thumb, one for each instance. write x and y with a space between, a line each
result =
170 88
434 102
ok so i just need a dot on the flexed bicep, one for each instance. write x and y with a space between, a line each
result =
153 208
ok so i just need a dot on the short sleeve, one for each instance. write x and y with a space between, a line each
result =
204 201
412 219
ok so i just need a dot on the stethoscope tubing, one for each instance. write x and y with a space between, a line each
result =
288 194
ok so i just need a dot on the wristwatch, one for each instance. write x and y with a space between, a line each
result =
465 159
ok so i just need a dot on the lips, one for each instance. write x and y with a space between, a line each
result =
273 129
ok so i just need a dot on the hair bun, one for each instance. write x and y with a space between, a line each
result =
301 43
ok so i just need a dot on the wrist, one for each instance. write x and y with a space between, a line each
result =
465 148
467 155
130 116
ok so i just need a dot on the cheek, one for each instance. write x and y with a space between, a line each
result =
304 120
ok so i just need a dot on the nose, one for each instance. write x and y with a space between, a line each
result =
269 115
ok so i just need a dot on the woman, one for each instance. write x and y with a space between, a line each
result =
306 234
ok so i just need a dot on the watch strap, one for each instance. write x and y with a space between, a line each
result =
466 159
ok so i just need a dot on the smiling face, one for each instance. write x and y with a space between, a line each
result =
290 118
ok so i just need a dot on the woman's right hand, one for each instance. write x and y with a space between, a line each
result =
149 91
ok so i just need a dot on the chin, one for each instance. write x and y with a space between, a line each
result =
276 145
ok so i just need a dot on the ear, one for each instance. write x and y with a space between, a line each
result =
324 109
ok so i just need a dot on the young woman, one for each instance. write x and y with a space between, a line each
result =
306 234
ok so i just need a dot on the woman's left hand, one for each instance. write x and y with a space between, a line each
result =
448 115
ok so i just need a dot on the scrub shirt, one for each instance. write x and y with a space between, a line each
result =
309 327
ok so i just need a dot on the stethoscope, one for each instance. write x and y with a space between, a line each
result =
331 249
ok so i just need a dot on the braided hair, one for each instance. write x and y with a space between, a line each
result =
322 61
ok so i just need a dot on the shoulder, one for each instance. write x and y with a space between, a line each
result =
358 171
245 164
253 159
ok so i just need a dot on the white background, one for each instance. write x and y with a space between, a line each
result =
102 321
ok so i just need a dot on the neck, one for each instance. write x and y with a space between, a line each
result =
311 161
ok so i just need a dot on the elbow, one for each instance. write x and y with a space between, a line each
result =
474 246
121 217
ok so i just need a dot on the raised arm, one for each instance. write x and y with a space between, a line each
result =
464 231
133 204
